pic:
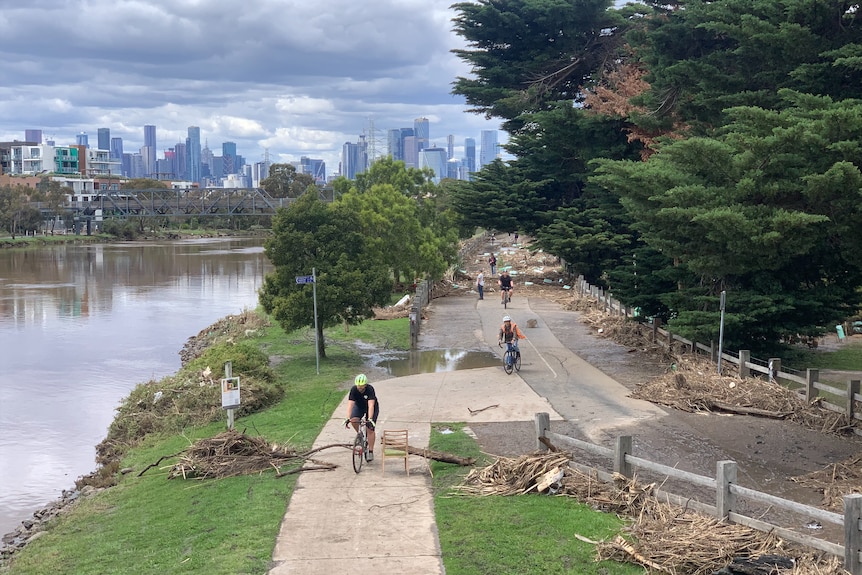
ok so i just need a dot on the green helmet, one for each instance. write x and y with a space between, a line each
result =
360 380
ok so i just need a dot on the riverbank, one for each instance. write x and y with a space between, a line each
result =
44 240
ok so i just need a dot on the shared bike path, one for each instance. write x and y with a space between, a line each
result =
338 521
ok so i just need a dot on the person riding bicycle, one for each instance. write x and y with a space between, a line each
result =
505 281
510 334
362 400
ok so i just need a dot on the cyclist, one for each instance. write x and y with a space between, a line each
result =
510 334
505 281
362 400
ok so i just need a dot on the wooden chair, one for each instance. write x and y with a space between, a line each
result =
394 443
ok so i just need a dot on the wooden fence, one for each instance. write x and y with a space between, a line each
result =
726 490
808 384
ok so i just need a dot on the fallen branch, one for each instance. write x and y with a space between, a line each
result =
713 404
475 411
441 456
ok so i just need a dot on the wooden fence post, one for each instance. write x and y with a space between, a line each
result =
852 390
774 368
852 534
713 352
744 358
812 375
543 424
656 322
622 448
724 499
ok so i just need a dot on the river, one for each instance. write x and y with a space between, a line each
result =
80 326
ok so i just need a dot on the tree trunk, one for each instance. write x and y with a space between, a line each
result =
441 456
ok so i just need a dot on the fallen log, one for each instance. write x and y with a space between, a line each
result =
720 405
440 456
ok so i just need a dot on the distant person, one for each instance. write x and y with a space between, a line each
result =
480 284
505 281
510 334
492 261
516 238
362 401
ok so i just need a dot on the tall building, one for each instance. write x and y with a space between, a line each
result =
150 156
314 168
228 152
354 158
434 158
117 148
34 136
490 147
104 137
470 155
82 140
450 147
193 153
394 144
422 131
180 159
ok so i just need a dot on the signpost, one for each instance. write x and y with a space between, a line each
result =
312 279
229 392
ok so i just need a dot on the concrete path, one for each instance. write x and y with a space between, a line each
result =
339 521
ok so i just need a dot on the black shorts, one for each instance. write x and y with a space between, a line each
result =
359 411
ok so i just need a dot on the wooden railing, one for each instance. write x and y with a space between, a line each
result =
810 385
725 489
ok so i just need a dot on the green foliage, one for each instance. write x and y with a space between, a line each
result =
285 182
123 229
191 397
144 184
327 238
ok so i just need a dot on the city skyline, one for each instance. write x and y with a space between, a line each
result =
298 90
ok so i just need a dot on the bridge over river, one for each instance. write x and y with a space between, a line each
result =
194 202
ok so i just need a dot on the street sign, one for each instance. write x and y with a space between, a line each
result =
305 279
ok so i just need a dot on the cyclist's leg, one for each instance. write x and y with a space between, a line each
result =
372 433
509 348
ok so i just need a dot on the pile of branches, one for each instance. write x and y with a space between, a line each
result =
835 481
231 453
659 536
693 385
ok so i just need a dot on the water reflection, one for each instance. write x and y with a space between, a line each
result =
435 361
80 326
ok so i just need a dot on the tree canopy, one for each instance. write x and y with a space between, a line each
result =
673 150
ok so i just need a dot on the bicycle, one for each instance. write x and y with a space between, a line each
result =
360 444
506 298
511 359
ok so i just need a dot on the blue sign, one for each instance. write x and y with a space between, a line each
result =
305 279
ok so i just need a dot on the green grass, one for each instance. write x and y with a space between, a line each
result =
848 357
513 535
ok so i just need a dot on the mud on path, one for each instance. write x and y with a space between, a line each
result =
769 452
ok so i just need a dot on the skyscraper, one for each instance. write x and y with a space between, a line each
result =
117 148
150 156
490 148
104 136
422 131
393 141
354 158
470 155
34 136
434 158
228 152
450 147
193 152
82 140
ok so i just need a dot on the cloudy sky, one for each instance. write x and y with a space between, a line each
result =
291 77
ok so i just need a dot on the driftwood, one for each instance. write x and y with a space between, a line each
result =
481 409
742 410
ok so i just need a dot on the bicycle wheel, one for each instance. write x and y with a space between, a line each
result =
506 301
517 362
508 363
358 452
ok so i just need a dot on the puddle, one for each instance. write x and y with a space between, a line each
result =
435 361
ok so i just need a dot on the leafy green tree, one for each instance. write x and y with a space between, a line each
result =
285 182
527 53
765 211
327 238
144 184
13 201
